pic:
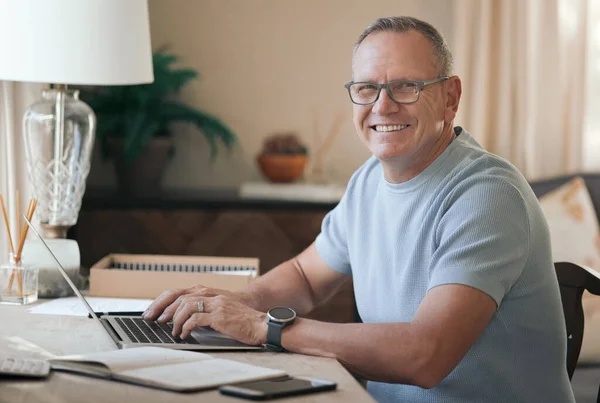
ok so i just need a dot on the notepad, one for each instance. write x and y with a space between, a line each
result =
176 370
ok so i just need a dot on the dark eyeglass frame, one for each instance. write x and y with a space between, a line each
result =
418 84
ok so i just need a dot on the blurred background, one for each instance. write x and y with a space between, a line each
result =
530 70
267 67
244 141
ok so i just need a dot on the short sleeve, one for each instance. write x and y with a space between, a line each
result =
332 241
483 237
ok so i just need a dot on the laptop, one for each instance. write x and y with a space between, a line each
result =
132 331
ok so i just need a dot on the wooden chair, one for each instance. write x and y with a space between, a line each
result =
573 280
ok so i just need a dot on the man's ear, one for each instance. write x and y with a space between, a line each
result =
454 91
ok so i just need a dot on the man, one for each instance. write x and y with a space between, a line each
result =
446 244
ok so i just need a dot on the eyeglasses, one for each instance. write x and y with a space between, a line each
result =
400 91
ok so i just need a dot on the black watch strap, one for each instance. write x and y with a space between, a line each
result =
274 336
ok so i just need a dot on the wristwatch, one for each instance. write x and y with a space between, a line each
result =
278 318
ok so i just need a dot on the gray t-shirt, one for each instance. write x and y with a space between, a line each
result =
469 218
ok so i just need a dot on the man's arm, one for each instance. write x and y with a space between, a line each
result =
422 352
301 283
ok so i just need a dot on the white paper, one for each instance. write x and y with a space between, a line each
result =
74 307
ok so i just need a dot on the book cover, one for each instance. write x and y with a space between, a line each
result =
176 370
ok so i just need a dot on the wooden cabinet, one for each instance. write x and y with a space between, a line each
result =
209 224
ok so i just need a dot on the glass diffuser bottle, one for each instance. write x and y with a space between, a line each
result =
18 282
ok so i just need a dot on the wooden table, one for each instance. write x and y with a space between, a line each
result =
40 336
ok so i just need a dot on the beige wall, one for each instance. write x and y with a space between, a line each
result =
267 66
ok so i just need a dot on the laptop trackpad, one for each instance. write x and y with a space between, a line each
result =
210 337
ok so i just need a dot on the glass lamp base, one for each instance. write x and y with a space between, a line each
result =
59 138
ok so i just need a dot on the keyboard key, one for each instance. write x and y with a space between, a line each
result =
142 331
164 337
191 340
146 330
135 330
127 331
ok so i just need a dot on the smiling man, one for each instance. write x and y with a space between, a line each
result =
446 243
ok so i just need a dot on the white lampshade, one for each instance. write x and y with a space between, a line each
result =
84 42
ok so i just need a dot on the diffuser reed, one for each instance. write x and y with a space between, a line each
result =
26 281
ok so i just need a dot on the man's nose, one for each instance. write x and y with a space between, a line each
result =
384 105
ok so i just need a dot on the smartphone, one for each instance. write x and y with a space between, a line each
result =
277 387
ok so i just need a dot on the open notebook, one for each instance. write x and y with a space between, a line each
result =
177 370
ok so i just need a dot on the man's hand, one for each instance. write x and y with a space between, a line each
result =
222 313
166 304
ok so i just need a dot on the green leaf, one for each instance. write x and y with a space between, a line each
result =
212 128
146 133
106 124
137 113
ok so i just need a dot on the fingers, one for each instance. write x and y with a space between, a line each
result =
221 313
197 319
158 306
166 304
187 309
171 310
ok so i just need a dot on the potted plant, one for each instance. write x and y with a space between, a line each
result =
134 124
283 158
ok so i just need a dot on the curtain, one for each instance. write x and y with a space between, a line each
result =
14 100
523 66
592 102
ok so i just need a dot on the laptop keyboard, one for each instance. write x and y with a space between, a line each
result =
142 331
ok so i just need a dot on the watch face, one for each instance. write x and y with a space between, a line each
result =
282 314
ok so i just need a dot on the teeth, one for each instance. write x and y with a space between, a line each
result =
390 128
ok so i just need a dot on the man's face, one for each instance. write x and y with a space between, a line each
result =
407 133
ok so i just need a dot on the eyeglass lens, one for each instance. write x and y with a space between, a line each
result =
366 93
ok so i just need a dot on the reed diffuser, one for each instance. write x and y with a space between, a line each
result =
18 282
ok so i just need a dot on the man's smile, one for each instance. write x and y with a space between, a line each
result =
389 128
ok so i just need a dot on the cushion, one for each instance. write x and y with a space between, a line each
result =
575 237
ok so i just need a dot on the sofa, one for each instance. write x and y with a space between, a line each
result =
586 378
592 182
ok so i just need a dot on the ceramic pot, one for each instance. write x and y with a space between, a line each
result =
282 167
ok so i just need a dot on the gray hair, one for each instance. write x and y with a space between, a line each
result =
443 60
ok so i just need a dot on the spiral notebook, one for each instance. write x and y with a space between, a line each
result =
147 276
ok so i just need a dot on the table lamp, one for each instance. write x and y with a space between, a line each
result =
61 43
